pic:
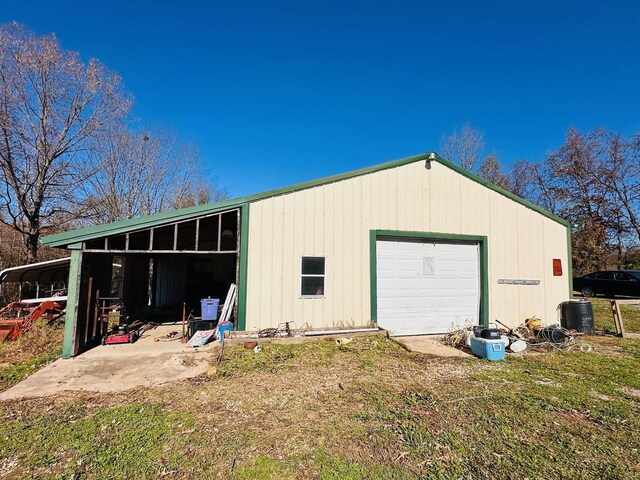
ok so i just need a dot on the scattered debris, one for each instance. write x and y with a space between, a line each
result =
200 338
168 337
532 334
189 361
146 327
343 341
283 330
518 346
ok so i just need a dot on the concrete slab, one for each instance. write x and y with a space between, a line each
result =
431 345
152 360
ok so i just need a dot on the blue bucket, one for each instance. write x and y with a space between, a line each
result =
209 308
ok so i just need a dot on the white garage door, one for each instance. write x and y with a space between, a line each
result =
427 286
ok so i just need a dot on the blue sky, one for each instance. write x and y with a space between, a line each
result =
276 92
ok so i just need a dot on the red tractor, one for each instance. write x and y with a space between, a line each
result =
18 317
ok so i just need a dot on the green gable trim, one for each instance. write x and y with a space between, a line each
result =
123 226
482 241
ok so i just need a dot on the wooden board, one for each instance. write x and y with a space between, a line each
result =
617 315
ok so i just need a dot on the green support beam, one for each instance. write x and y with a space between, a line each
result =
73 292
242 275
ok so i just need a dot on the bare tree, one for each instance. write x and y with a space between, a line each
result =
464 147
140 173
576 183
52 105
522 178
618 173
491 170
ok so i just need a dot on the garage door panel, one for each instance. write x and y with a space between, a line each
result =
426 287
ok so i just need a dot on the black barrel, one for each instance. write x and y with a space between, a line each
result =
577 315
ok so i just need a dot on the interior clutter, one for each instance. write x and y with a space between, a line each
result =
157 276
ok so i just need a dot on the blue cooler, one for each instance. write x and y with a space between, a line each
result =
490 349
209 308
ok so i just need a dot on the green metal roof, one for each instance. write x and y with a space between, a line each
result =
83 234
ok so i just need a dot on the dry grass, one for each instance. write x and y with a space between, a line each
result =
368 410
30 352
42 338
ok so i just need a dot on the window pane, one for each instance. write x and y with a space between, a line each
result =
313 265
312 286
117 276
605 276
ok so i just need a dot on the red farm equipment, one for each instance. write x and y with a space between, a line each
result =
18 317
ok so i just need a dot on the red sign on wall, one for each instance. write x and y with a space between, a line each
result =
557 267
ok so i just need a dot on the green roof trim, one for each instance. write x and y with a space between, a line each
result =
123 226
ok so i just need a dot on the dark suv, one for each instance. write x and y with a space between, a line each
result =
609 283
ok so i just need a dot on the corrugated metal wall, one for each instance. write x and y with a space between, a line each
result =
334 220
171 274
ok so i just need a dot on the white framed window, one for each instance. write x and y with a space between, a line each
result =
312 277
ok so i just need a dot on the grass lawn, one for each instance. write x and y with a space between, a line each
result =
368 410
604 318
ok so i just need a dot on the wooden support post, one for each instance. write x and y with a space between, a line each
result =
95 315
88 312
617 318
184 312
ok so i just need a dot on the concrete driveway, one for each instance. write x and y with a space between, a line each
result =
152 360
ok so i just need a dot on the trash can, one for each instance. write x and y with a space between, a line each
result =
209 308
577 315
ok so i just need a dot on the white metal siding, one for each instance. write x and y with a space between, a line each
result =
427 286
334 220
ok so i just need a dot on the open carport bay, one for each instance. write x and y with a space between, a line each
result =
150 275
